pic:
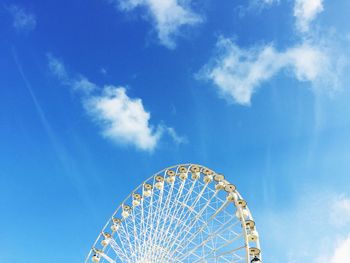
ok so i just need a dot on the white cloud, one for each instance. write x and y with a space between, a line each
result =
124 120
23 20
342 252
238 72
168 16
305 12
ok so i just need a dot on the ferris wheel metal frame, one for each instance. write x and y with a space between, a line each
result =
105 241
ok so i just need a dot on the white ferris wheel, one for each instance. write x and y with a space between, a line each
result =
184 213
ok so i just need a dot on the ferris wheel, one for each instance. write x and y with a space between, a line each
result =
184 213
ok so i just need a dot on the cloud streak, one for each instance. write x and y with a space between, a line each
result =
168 16
62 154
122 119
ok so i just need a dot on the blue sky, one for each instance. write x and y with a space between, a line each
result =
95 96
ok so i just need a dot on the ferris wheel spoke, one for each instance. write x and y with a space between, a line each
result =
205 224
209 238
237 259
157 219
181 218
104 256
125 237
175 215
142 226
136 230
119 253
148 234
167 201
129 230
148 226
129 237
124 241
177 226
194 220
169 211
153 236
229 242
232 252
122 238
172 210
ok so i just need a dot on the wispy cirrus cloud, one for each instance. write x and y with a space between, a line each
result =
122 119
57 67
238 72
168 16
23 20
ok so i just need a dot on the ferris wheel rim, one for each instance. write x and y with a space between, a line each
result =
256 251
